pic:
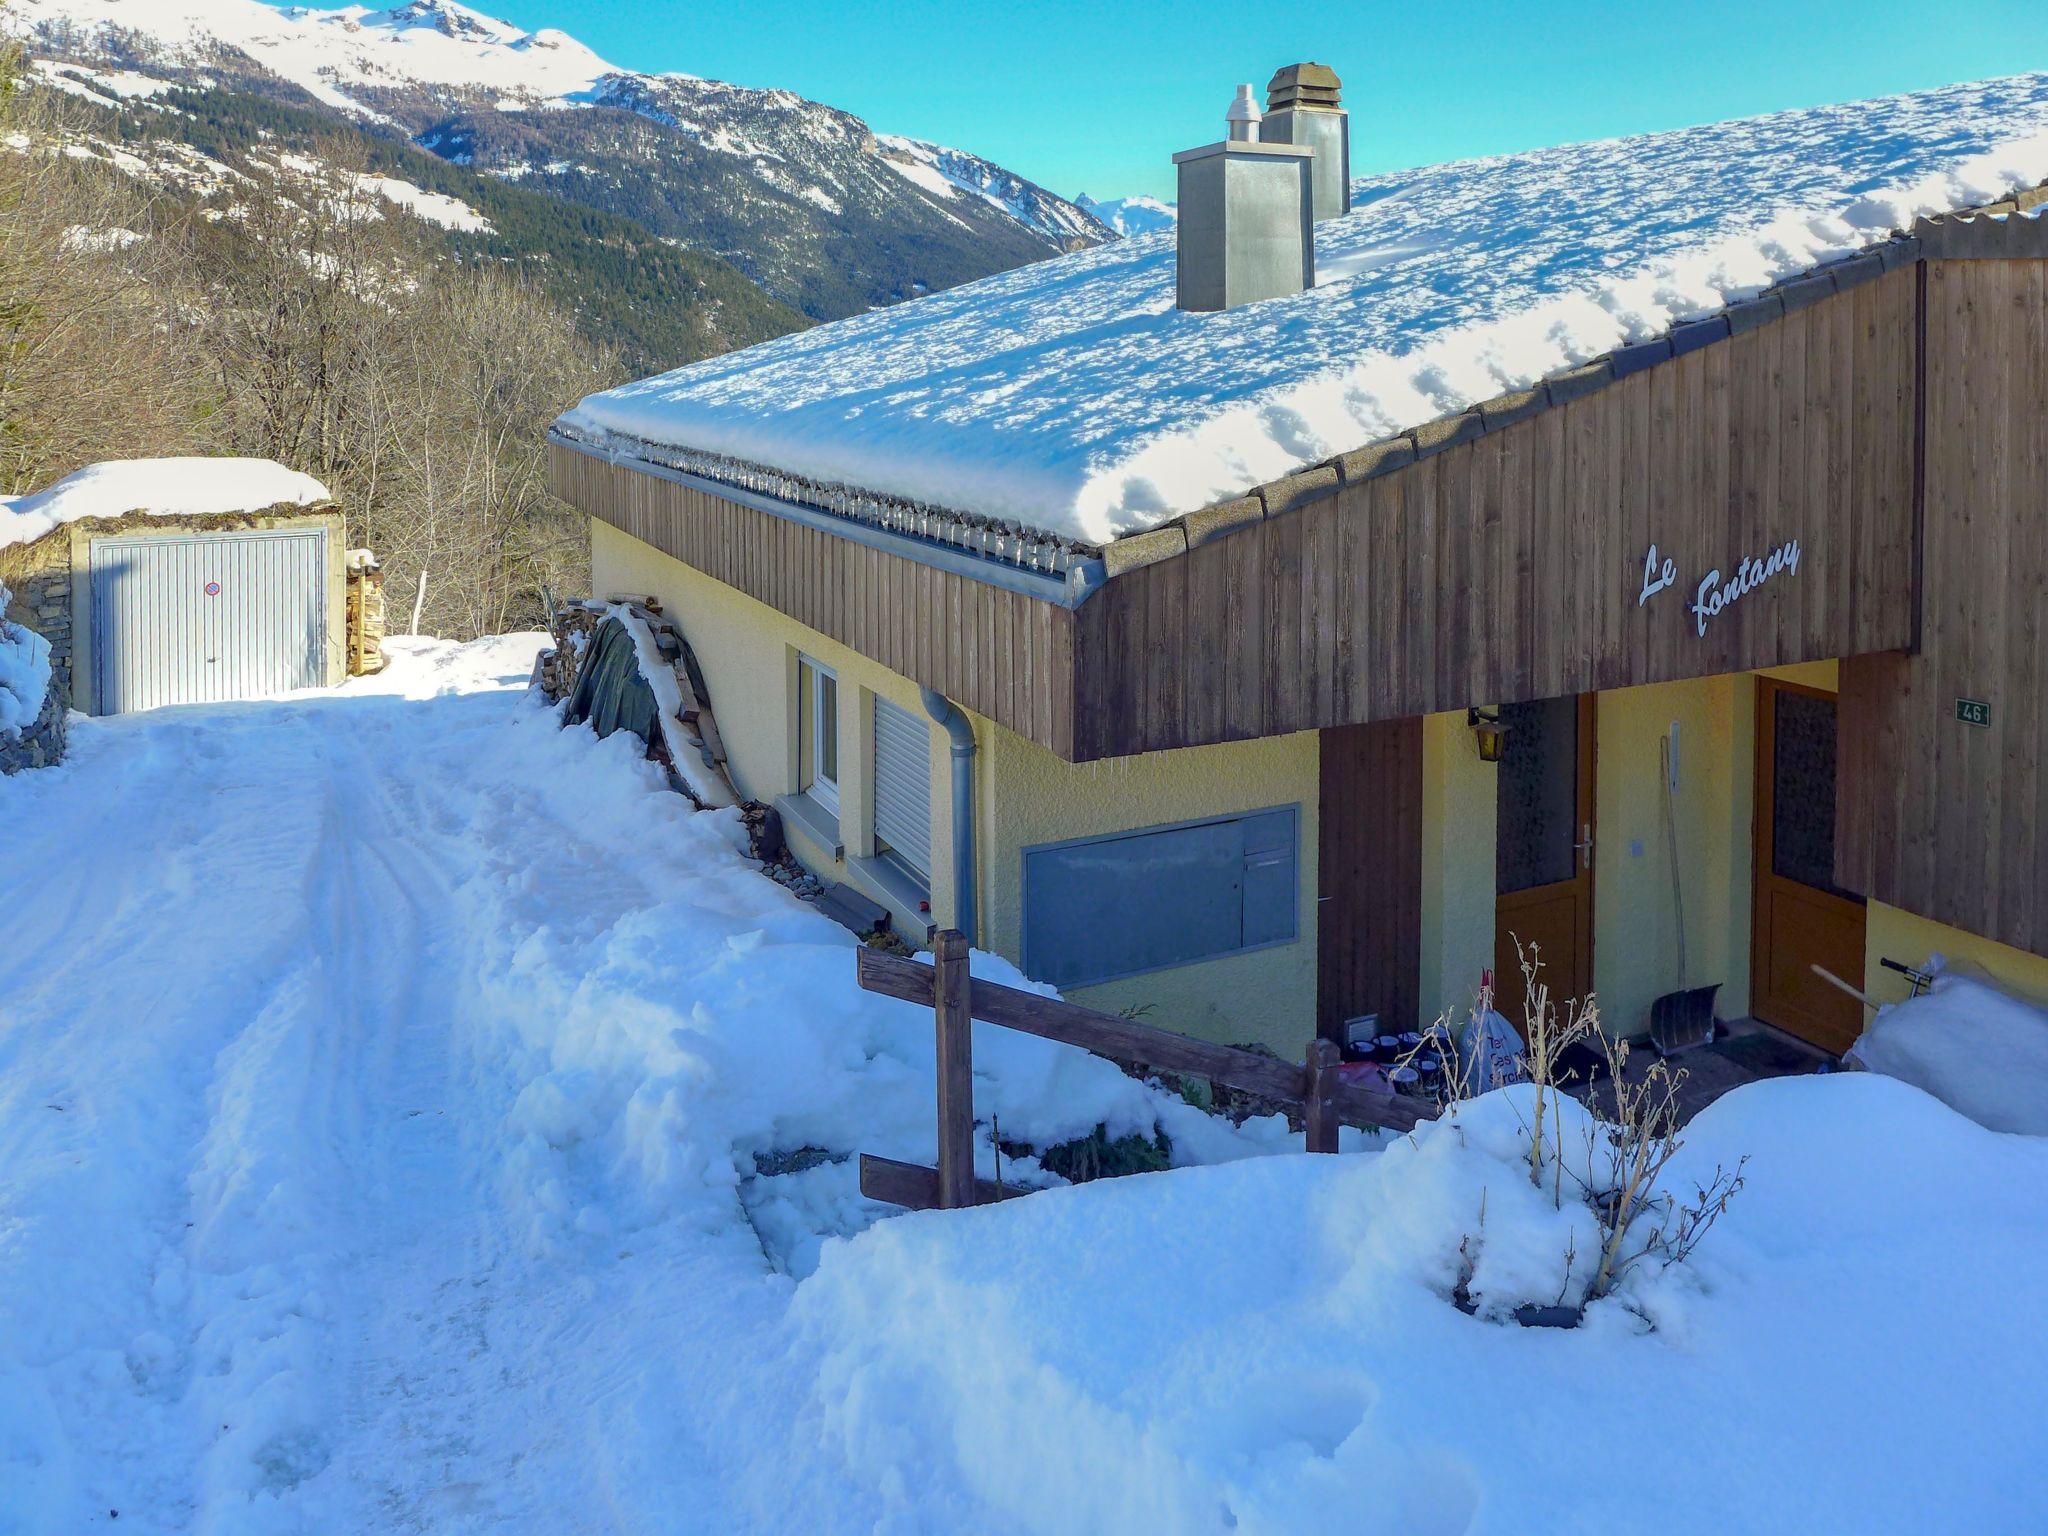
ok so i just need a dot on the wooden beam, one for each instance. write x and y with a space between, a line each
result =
1365 1109
1105 1034
916 1187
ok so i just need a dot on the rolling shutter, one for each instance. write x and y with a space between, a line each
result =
903 786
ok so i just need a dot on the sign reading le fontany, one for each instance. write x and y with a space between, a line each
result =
1714 593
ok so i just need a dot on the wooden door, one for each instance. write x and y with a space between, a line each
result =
1543 864
1799 917
1369 867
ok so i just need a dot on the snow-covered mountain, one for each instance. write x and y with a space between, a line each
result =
1129 215
805 199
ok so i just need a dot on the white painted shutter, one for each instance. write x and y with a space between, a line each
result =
903 785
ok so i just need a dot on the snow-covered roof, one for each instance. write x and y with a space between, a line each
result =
191 487
1072 397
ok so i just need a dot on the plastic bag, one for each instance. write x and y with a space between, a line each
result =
1489 1050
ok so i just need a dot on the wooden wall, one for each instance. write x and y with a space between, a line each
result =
1002 654
1942 818
1509 568
1369 910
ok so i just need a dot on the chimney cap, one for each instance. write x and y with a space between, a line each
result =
1305 86
1244 115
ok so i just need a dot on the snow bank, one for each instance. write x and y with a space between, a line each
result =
24 673
1073 397
191 487
1268 1347
1977 1049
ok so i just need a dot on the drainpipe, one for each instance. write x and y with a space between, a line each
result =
946 713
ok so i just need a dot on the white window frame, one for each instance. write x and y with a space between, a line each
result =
821 788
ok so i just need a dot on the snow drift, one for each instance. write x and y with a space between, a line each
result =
1270 1347
1979 1050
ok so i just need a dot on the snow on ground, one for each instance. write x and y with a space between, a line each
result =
1073 397
188 487
1977 1049
99 85
1268 1347
381 1077
433 207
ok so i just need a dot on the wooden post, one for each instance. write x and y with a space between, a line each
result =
953 1011
1319 1095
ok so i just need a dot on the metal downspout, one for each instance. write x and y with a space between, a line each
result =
946 713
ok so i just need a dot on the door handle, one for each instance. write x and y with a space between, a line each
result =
1585 846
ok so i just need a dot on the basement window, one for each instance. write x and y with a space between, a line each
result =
1103 907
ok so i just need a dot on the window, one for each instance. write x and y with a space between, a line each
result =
903 789
1104 907
818 691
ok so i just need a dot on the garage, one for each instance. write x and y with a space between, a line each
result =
180 581
198 618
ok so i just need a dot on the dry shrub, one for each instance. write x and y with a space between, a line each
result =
1618 1169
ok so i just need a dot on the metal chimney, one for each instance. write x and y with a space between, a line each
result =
1245 230
1303 106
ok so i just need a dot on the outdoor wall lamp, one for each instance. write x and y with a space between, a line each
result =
1491 733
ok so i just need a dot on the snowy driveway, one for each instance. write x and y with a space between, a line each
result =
269 1258
380 1078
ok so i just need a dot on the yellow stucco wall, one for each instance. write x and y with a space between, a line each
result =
1024 795
1460 805
1635 914
1635 907
1911 939
1266 996
749 652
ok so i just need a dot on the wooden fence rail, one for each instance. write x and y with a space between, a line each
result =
957 998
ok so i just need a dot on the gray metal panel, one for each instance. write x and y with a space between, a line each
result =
1100 908
903 786
199 618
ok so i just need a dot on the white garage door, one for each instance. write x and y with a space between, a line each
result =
196 618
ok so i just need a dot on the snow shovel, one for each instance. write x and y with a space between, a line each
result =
1679 1020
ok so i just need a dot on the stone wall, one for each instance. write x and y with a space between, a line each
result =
40 576
42 744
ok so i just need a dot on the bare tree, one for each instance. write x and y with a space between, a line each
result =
96 358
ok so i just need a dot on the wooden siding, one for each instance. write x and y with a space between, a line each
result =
1000 653
1369 912
1509 568
1941 818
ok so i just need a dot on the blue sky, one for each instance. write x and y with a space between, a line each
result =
1095 98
